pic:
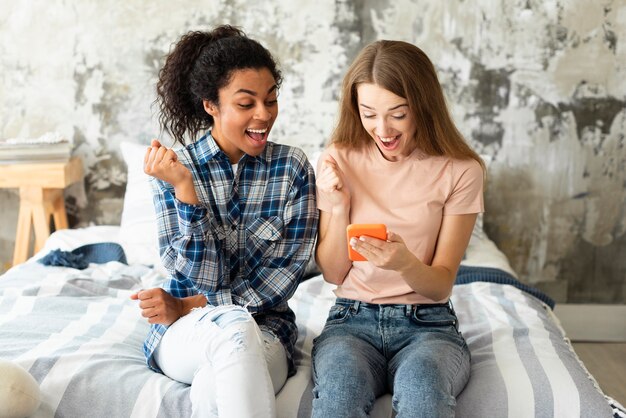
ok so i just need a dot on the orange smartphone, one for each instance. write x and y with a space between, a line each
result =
370 230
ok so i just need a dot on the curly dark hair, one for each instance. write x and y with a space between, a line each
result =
198 67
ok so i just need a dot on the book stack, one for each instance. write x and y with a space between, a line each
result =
50 147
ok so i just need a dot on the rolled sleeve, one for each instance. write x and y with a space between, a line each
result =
192 218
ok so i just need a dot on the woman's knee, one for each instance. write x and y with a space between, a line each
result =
225 316
346 401
244 335
416 401
231 329
424 387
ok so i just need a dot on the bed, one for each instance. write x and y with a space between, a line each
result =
80 336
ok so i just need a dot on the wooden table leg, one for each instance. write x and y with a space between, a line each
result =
41 187
56 197
40 209
37 205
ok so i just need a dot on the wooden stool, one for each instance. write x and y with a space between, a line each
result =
41 187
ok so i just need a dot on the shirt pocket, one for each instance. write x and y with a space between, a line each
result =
262 236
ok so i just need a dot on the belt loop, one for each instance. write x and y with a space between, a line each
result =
408 309
355 306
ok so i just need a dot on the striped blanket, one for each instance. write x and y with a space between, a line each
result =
522 363
80 336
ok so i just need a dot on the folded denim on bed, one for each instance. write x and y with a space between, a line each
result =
79 258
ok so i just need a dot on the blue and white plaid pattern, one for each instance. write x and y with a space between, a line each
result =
249 240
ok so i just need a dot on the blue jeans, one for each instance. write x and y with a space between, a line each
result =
366 350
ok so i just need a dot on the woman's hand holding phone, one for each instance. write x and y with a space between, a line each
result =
356 231
384 249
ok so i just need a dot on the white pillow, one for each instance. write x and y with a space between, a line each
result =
138 228
20 395
481 250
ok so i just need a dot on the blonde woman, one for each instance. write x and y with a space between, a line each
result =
395 158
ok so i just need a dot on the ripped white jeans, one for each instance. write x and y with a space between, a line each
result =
233 368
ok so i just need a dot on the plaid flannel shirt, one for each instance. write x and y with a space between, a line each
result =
248 241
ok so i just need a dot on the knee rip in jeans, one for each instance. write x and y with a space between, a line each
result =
239 342
224 318
242 336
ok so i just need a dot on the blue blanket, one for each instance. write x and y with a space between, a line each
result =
470 274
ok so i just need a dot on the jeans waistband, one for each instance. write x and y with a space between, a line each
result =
408 308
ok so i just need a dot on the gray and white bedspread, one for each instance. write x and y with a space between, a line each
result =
78 333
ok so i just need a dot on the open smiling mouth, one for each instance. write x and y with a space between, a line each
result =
258 135
391 142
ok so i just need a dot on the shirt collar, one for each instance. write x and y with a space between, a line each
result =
207 149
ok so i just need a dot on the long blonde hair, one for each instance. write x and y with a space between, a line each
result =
406 71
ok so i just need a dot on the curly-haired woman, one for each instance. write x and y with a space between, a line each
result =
237 221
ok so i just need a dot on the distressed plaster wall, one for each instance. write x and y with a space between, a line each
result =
538 86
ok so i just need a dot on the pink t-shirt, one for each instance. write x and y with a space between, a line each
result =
410 196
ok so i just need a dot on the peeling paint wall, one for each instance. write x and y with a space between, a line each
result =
538 86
